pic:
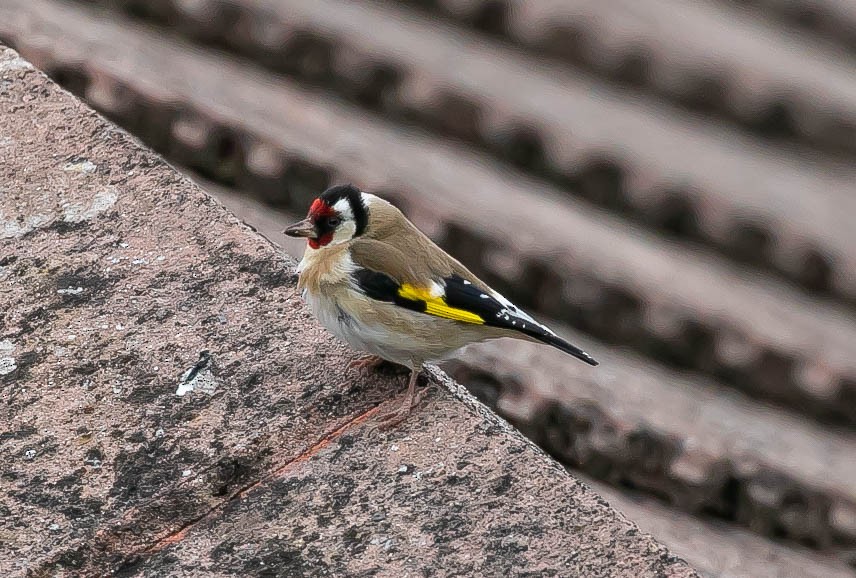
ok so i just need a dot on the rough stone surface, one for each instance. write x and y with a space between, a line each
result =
171 407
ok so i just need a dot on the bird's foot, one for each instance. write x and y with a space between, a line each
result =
396 416
369 363
366 363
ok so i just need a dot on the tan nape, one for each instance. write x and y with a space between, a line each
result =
393 245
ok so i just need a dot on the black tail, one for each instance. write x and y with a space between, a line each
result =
497 311
560 343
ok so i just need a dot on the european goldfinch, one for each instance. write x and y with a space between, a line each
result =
378 283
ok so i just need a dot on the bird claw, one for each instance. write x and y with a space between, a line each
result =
366 363
373 363
397 416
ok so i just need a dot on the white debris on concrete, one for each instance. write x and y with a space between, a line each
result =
198 378
77 213
7 361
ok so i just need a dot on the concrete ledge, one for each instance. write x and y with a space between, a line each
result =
169 407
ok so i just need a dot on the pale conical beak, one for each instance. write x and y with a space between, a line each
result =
304 228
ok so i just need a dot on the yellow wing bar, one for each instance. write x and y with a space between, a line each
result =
435 305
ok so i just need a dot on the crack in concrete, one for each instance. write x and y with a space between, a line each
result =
179 534
321 444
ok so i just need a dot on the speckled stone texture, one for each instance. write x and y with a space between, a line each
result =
168 406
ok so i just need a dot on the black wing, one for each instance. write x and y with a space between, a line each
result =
458 299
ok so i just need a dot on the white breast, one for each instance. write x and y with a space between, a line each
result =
341 314
396 334
327 265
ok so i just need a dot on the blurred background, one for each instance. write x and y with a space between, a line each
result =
671 184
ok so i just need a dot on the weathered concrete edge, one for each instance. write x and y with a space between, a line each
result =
482 411
472 406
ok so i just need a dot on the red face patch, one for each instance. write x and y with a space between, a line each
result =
321 241
320 209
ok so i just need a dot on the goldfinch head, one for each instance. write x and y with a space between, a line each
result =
337 216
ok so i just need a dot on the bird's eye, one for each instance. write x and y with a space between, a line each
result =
333 221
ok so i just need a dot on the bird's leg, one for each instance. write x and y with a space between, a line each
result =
411 400
414 397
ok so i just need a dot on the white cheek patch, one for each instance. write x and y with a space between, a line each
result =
344 232
348 228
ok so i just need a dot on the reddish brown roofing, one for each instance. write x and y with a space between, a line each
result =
661 164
